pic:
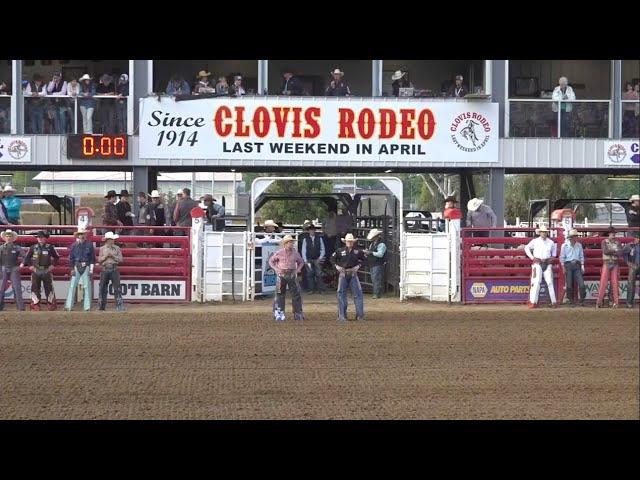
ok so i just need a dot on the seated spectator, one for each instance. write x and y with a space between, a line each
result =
337 87
399 81
222 87
291 85
178 86
57 109
107 107
237 89
458 90
203 85
122 90
629 114
35 106
86 102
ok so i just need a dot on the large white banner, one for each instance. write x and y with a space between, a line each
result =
15 150
329 129
622 153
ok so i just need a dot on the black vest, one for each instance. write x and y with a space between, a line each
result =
372 259
313 249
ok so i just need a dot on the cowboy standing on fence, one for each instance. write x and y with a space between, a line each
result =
287 264
81 259
541 250
41 259
348 261
10 266
572 263
109 257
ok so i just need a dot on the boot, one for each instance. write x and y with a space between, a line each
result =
35 307
52 306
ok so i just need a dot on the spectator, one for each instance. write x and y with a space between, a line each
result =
291 85
215 212
4 89
631 254
57 109
222 87
451 212
12 204
376 256
271 231
4 214
178 86
172 206
5 112
145 212
629 115
237 89
313 254
563 93
636 89
203 85
87 102
572 264
125 216
338 87
611 251
633 213
110 212
458 90
182 213
73 88
480 216
35 106
107 107
122 90
160 218
399 81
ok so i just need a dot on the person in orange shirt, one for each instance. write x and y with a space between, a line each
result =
451 212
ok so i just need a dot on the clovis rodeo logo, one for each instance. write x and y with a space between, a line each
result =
16 149
470 131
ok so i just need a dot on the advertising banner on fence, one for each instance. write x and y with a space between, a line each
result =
622 153
268 274
15 150
318 129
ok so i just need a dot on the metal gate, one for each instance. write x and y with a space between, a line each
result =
224 267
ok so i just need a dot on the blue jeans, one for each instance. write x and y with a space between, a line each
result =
13 274
346 282
59 120
314 275
377 272
36 119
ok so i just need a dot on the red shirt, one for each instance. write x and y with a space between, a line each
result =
452 213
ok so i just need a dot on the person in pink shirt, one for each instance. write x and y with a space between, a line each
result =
287 263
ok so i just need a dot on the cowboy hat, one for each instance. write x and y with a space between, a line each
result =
124 193
634 198
155 194
203 73
450 198
337 71
474 204
9 188
8 233
398 75
348 237
41 234
373 233
573 233
270 223
286 239
85 77
459 77
111 193
111 236
180 192
543 228
80 231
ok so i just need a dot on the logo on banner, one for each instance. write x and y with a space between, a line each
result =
470 131
17 149
478 290
617 153
635 149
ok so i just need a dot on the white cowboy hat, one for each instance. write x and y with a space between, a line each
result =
111 236
634 198
373 233
155 194
286 239
348 237
270 223
203 73
573 233
81 231
84 77
8 233
542 229
474 204
9 188
180 192
337 71
398 75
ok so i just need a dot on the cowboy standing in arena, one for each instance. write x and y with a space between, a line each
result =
109 258
541 250
348 261
611 251
376 256
287 263
81 260
10 266
572 263
41 259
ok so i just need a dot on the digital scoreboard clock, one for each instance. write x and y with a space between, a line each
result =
98 147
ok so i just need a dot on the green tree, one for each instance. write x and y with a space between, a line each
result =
296 211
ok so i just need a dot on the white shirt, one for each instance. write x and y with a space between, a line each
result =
557 96
542 249
268 238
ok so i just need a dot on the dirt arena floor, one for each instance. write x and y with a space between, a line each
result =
409 360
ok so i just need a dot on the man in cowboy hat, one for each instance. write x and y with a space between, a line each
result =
348 261
457 90
480 215
109 258
81 259
182 212
215 212
270 234
399 81
572 263
158 214
287 263
451 212
237 88
631 255
125 215
313 254
376 257
110 212
41 259
633 213
338 87
203 85
290 84
611 251
10 266
541 250
12 204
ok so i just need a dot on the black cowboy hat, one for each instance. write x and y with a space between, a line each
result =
124 193
450 198
111 193
42 234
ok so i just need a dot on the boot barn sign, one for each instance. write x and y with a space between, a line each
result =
316 129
